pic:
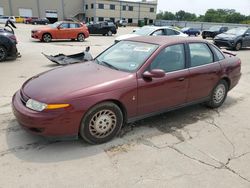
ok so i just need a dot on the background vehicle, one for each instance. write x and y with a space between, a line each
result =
103 28
213 31
131 80
61 30
8 43
152 31
19 19
234 38
4 19
122 23
42 21
29 20
191 31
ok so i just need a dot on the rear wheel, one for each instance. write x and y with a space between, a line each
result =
218 95
80 37
101 123
47 37
238 46
3 53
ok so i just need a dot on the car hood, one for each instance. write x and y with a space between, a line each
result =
74 81
127 36
226 36
45 28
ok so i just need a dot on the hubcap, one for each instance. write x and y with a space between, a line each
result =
2 53
47 38
81 37
219 93
238 46
102 123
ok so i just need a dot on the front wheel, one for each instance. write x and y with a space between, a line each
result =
101 123
80 37
238 46
204 37
46 38
109 33
218 95
3 53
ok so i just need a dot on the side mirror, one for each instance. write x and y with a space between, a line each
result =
155 73
59 27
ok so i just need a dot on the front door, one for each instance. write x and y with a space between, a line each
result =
158 94
63 31
246 39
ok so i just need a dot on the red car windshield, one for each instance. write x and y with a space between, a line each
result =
127 55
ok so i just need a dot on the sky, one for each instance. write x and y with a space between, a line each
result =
200 6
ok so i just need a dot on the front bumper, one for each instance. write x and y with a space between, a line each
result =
56 123
224 43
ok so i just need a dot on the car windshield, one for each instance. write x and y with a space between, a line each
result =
144 31
237 31
126 55
55 25
215 28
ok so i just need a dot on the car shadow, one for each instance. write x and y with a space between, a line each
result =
33 148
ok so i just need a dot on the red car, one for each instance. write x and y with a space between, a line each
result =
29 20
61 30
133 79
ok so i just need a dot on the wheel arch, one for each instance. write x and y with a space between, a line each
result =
227 80
115 101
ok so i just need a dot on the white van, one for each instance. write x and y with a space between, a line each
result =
3 19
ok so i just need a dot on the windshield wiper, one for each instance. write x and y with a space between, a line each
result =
108 64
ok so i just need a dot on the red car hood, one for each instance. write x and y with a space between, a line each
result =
78 80
45 28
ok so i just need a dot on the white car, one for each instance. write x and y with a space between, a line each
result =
3 19
152 30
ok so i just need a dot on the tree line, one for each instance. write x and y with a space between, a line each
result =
211 15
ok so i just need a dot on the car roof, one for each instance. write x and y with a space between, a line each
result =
165 40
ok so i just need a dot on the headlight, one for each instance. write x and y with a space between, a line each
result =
35 105
38 106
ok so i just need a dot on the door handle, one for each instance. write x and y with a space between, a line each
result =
181 79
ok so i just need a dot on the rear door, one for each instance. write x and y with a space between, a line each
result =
74 30
204 71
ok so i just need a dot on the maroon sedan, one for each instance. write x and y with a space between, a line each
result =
131 80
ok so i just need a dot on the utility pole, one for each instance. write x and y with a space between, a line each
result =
10 5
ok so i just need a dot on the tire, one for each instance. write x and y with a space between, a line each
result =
101 123
204 37
80 37
35 23
47 37
109 33
238 46
218 95
3 53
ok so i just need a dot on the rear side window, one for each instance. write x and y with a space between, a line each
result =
218 53
171 32
74 25
200 54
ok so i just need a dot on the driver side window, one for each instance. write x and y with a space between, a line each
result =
170 59
64 26
158 32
